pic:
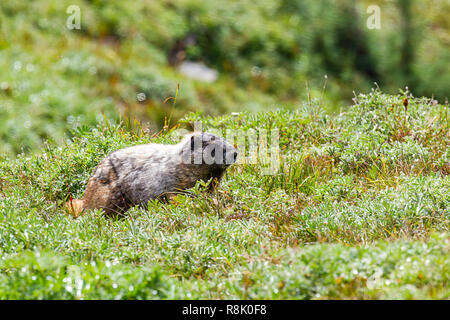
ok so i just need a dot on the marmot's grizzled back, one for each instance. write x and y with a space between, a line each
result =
135 175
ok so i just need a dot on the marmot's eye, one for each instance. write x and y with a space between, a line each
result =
213 152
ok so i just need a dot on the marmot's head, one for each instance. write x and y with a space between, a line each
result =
203 148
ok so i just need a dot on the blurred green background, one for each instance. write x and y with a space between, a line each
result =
125 59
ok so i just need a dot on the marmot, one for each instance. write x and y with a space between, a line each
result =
135 175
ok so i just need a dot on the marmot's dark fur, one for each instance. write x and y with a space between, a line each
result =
135 175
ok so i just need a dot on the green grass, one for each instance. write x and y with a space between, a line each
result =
269 53
359 209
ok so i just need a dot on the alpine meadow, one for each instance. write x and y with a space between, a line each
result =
357 205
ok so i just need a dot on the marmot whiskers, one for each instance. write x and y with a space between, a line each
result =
135 175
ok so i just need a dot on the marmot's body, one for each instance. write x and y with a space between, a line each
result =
135 175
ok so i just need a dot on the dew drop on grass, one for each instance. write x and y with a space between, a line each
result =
4 85
141 96
17 65
30 67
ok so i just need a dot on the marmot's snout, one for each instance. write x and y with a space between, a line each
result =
229 154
